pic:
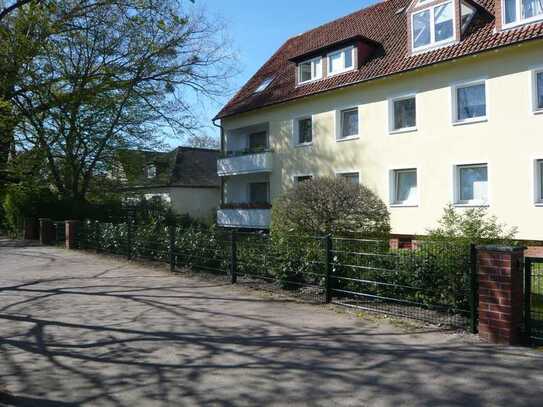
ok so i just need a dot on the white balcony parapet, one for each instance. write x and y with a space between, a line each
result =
244 218
245 164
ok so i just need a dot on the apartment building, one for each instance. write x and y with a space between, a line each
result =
425 102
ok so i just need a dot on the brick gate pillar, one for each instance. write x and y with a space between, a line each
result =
501 294
71 234
46 231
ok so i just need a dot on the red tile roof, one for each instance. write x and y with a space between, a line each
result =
382 24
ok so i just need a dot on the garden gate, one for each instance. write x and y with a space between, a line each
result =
533 297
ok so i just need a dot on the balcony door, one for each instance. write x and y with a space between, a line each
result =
259 192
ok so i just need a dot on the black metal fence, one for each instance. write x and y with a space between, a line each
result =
434 282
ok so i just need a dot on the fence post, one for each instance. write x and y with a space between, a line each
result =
473 294
501 302
328 278
171 234
527 299
233 258
71 231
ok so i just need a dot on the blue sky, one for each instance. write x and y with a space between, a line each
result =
258 28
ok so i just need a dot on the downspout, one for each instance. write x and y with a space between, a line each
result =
222 152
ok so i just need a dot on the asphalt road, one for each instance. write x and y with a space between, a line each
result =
82 330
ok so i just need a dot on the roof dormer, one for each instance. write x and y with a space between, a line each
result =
437 23
514 13
333 59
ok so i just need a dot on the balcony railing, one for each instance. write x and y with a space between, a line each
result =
244 218
245 163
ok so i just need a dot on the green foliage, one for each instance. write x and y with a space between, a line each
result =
330 206
319 207
25 200
473 225
434 274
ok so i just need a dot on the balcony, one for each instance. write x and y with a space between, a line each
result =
238 163
249 216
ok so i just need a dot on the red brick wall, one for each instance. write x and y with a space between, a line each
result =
500 294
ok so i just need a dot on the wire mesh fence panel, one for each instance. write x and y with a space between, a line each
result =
294 265
431 282
205 249
103 236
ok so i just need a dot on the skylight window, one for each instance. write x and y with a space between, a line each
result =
264 85
433 26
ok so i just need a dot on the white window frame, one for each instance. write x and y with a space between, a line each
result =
519 21
538 176
339 124
342 52
296 130
296 176
349 172
456 182
319 74
433 44
393 180
454 102
391 114
535 108
151 171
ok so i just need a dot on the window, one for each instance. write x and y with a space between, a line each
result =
341 61
349 123
150 171
258 141
521 11
538 91
468 12
469 102
404 114
539 182
258 192
433 26
310 70
405 187
472 184
302 178
352 177
264 85
304 131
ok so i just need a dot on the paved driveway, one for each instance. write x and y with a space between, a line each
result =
77 329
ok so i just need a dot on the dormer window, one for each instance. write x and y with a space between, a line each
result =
517 12
310 70
433 26
341 61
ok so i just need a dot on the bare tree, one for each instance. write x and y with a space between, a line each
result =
118 77
202 140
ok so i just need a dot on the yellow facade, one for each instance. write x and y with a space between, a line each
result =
509 141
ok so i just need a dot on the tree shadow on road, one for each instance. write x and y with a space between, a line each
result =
178 342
